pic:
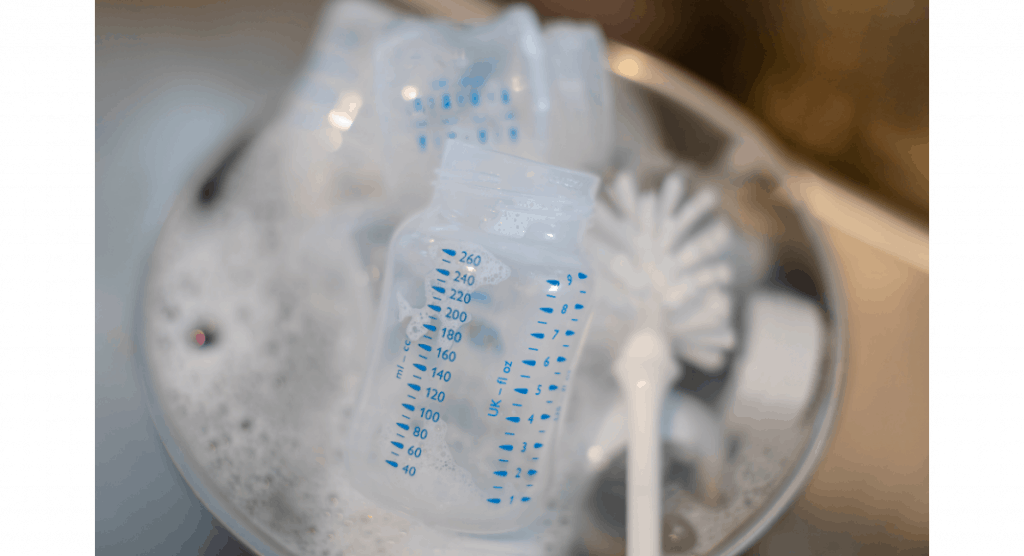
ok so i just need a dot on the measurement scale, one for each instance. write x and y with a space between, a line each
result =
528 386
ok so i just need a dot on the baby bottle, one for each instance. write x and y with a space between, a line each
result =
482 84
485 303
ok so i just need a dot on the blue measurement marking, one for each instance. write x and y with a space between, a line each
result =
398 445
506 447
539 335
503 460
524 376
530 362
531 472
394 453
409 406
534 349
582 276
525 499
570 332
410 396
583 291
399 435
417 377
424 356
415 387
510 434
436 298
549 295
491 500
443 271
501 473
449 252
442 281
521 390
391 463
497 487
435 307
403 426
420 367
563 345
544 416
554 282
560 359
541 322
574 320
425 347
578 306
518 404
406 416
513 419
552 387
433 328
547 309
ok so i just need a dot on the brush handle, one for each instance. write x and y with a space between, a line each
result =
645 372
643 472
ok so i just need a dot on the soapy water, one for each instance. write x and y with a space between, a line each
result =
262 409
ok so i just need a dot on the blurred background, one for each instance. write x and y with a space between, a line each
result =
843 84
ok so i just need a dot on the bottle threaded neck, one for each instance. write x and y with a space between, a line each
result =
533 186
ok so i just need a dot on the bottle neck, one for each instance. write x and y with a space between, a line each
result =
549 222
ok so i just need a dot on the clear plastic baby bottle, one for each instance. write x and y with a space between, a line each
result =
485 304
482 84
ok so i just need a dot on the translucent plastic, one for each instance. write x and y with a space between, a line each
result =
484 84
328 126
582 106
485 305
